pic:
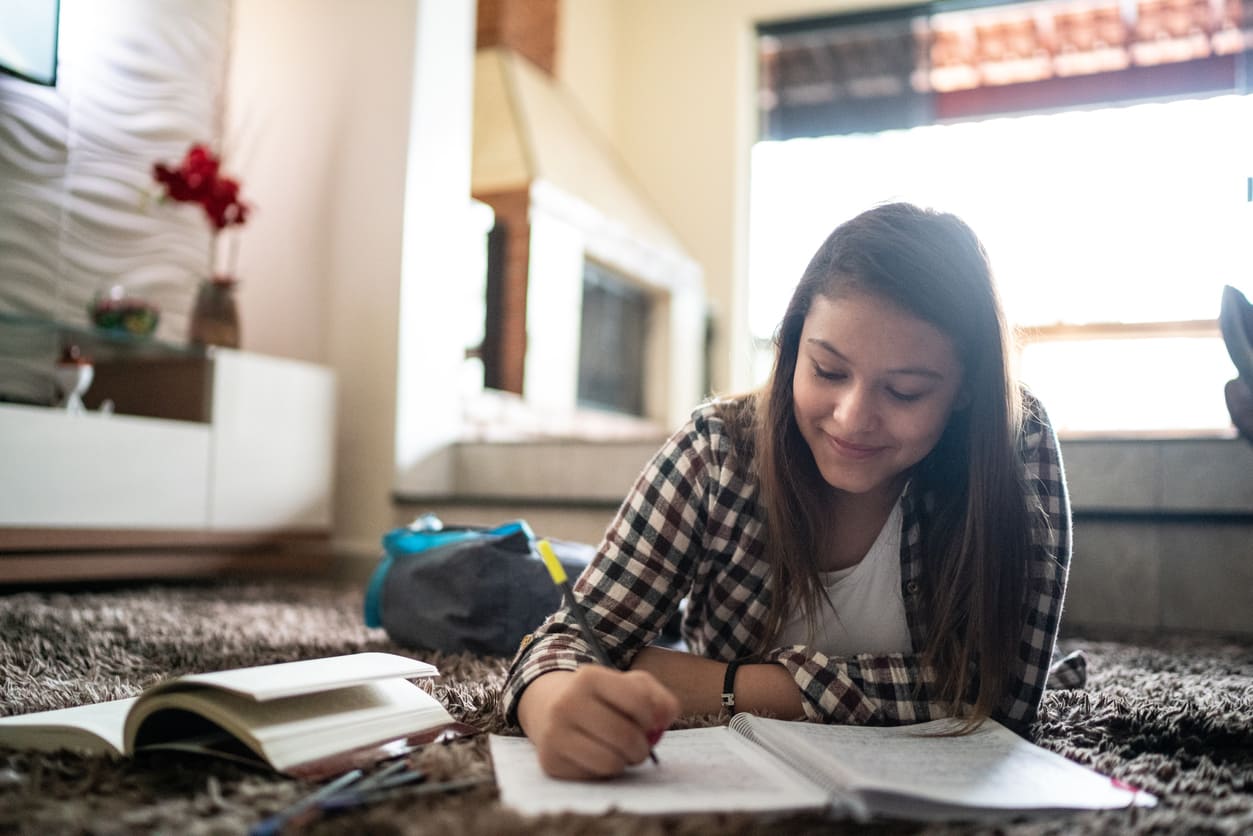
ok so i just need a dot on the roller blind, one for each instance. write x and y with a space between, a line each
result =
943 62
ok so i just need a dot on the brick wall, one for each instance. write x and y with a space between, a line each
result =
528 27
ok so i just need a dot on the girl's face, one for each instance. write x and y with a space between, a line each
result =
873 390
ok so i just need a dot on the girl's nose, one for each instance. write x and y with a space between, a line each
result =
855 410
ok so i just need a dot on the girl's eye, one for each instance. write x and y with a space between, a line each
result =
905 397
828 375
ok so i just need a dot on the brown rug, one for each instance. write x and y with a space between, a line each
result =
1173 716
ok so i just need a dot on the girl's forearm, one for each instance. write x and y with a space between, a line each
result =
697 682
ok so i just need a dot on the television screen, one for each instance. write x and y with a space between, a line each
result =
28 39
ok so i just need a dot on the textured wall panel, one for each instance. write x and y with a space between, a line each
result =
138 82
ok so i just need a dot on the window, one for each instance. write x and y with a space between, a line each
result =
28 39
1111 229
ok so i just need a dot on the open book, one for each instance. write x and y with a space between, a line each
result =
305 718
757 764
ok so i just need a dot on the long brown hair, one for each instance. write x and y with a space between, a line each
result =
976 541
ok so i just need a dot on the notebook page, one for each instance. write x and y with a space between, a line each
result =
710 769
990 768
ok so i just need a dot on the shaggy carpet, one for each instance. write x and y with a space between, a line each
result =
1173 716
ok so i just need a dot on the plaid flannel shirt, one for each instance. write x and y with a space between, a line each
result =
692 527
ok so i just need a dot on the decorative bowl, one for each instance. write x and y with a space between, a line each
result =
124 314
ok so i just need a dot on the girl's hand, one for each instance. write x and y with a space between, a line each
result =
596 721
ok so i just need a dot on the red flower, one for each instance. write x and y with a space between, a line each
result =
198 180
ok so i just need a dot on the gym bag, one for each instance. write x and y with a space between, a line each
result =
464 588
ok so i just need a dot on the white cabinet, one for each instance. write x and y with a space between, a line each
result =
273 437
95 471
261 461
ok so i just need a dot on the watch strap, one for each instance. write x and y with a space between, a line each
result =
728 688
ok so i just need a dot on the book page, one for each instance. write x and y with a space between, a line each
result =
287 679
991 768
85 728
710 769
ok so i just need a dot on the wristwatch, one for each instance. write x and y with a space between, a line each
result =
728 688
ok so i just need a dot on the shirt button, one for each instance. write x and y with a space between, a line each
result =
912 587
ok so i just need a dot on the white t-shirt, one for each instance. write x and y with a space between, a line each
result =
867 612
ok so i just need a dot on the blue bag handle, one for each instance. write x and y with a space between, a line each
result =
424 533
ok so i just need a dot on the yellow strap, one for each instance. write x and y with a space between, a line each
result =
555 568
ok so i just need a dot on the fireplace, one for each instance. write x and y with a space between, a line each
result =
592 303
613 338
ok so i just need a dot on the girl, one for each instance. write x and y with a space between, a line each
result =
880 535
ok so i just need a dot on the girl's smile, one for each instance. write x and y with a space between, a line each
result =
856 452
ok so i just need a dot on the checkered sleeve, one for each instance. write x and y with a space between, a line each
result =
1047 570
640 572
868 689
894 689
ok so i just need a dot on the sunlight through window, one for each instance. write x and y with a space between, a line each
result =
1136 214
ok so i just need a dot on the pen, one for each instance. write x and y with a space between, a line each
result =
362 794
558 573
350 800
275 823
375 779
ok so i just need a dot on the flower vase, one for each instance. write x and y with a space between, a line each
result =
215 319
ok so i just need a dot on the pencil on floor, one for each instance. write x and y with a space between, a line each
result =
274 824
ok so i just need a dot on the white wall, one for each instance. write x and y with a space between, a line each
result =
444 243
324 100
587 58
137 82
